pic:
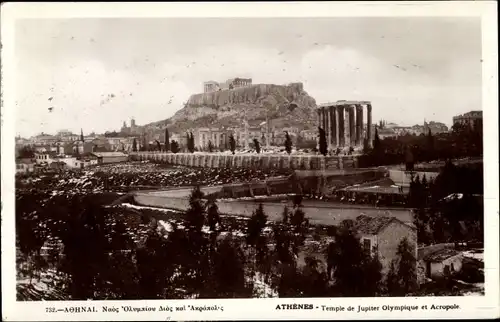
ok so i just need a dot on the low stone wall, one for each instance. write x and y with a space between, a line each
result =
275 161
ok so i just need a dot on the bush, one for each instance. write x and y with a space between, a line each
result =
470 273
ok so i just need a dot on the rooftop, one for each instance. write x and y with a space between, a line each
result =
441 255
373 225
342 103
50 153
109 154
24 161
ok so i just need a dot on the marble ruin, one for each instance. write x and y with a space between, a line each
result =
343 123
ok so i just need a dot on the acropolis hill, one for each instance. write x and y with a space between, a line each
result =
285 105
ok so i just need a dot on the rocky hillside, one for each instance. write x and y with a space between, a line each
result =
286 105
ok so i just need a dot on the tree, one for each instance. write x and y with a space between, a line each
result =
289 235
134 145
113 134
255 225
409 159
30 237
232 144
158 145
210 146
77 152
174 146
227 272
392 283
417 197
402 277
299 227
91 264
257 145
26 152
81 135
297 200
323 147
155 267
195 215
430 146
283 239
376 141
213 217
167 140
366 147
195 252
355 271
190 142
311 281
288 143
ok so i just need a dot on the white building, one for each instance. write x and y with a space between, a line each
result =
24 165
45 157
74 163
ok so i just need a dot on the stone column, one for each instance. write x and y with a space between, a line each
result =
352 126
323 117
337 126
333 127
361 121
369 124
347 127
359 124
341 123
327 127
319 125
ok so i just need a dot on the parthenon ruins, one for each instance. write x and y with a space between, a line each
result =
338 116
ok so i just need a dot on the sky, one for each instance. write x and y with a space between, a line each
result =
94 74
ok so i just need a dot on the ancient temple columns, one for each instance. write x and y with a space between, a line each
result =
343 123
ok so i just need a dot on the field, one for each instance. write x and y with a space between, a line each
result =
138 175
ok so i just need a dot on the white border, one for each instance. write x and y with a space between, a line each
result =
470 307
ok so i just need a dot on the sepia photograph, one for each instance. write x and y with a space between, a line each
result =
184 158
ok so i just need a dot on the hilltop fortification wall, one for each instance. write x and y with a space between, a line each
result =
253 94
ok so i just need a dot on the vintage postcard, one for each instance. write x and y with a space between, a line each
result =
246 161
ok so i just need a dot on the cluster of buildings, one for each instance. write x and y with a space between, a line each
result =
472 119
380 236
54 161
232 83
66 150
245 136
65 142
385 129
343 121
